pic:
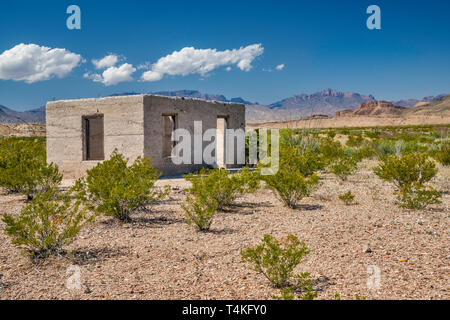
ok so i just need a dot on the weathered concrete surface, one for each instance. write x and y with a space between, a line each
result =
187 111
133 125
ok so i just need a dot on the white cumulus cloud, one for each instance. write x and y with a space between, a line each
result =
106 62
280 67
201 61
113 75
32 63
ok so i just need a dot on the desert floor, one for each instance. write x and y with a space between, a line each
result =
159 256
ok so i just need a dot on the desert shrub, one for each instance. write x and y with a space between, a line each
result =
301 291
199 212
300 139
344 131
330 149
354 140
307 157
221 187
23 167
291 187
331 134
406 169
408 136
366 150
417 196
347 198
116 189
410 173
276 259
413 146
50 221
295 178
344 166
442 153
373 134
385 147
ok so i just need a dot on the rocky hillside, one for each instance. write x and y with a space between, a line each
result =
32 116
373 108
413 102
437 107
325 102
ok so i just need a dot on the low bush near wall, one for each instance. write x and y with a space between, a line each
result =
277 259
23 167
199 212
50 221
116 190
221 187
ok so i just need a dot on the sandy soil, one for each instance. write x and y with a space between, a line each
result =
158 256
353 121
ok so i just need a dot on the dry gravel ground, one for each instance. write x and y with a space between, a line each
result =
158 256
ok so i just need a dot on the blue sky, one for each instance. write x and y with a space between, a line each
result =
322 44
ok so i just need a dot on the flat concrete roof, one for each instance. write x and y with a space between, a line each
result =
144 95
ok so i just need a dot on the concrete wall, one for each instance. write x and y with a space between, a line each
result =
187 111
133 125
123 129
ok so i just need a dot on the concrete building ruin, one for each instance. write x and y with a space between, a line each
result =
81 133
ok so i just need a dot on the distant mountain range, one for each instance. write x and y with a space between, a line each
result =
191 94
413 102
326 102
440 106
10 116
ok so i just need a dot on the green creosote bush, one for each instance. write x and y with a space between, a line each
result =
199 212
344 166
50 221
355 140
331 134
277 259
385 147
442 153
291 187
295 178
417 196
23 167
115 189
221 187
410 173
301 291
406 169
347 198
373 134
330 149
